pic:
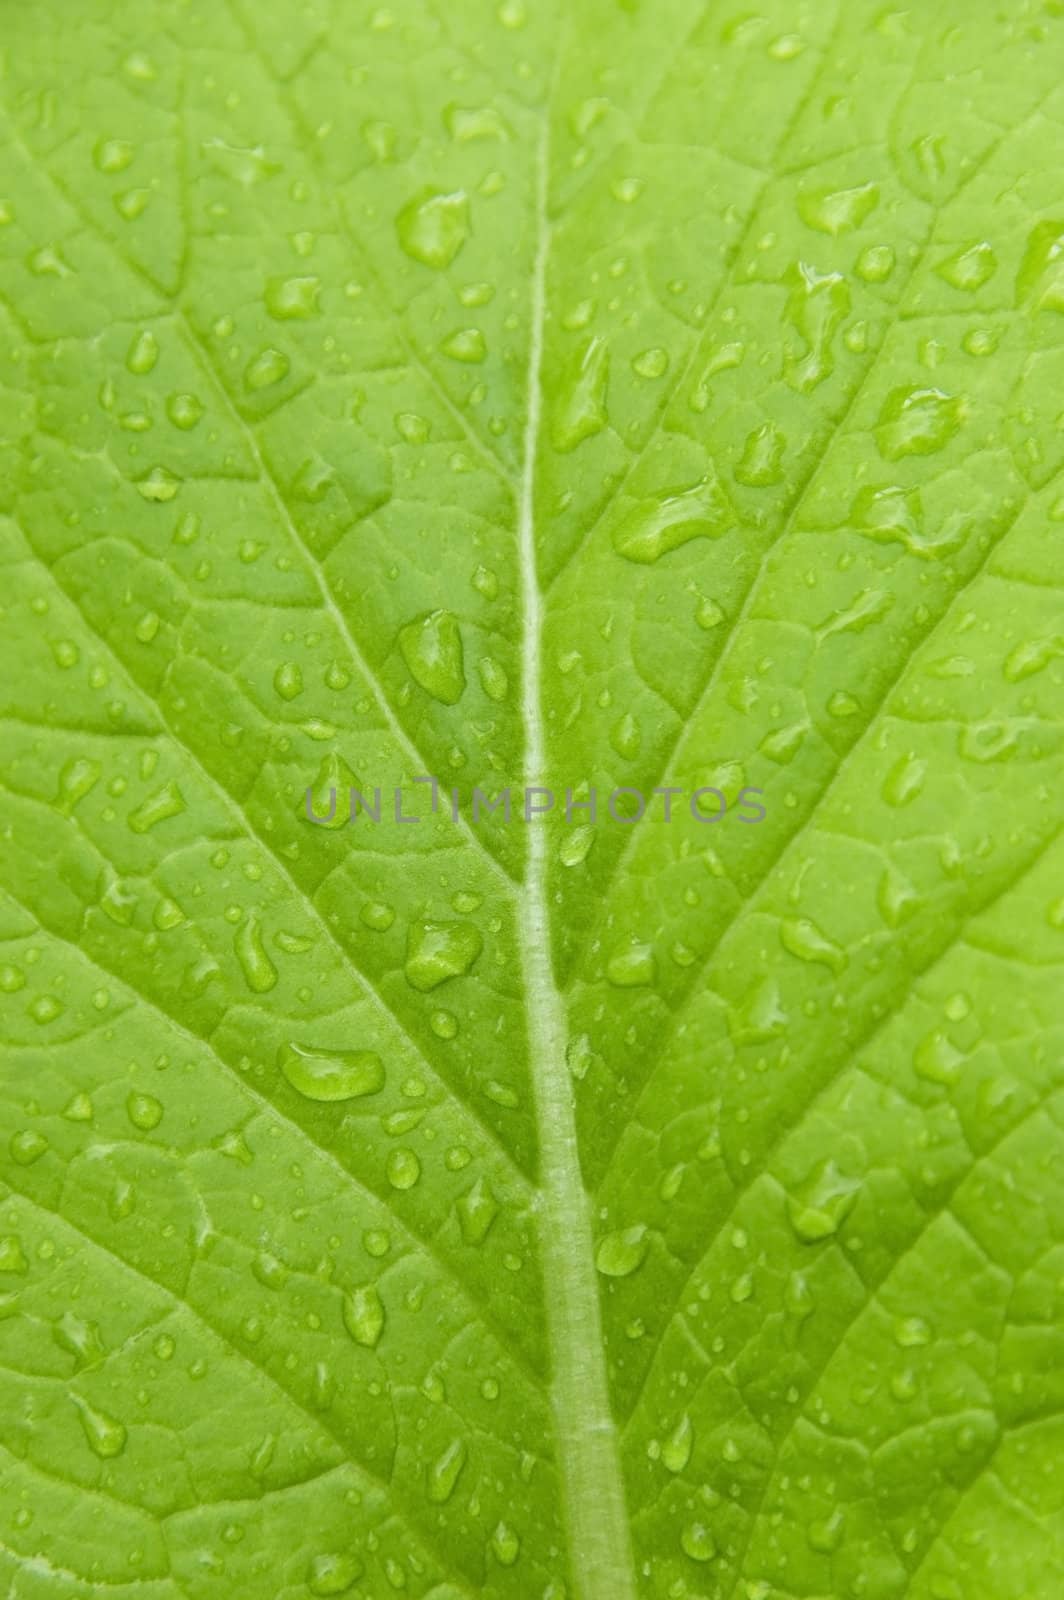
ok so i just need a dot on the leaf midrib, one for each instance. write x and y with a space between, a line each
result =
596 1516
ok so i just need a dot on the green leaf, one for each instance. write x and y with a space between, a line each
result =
529 1201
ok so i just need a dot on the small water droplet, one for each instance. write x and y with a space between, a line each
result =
802 938
915 421
265 369
505 1545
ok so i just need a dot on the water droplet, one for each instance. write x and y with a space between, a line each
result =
159 486
143 353
477 1210
402 1169
816 306
113 155
505 1545
333 1574
79 1338
77 779
433 228
917 422
465 344
106 1437
626 738
876 264
839 210
632 965
493 678
802 938
184 410
27 1147
652 363
581 409
911 1332
260 974
144 1111
164 803
698 1542
288 680
905 780
1032 656
654 527
937 1060
442 1476
292 299
821 1203
364 1315
331 1075
576 845
437 951
621 1253
969 269
826 1536
265 369
761 461
431 646
1040 280
676 1451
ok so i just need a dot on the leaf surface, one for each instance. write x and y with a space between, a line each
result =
615 397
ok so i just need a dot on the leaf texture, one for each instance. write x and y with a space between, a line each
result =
654 1202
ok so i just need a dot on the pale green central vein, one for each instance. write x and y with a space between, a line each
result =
599 1543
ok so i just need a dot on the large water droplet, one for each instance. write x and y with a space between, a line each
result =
164 803
431 646
581 410
402 1169
433 228
333 1574
816 306
632 965
917 422
442 1476
820 1204
621 1253
654 527
761 463
1040 280
969 269
837 211
437 951
260 974
676 1451
505 1545
144 1111
477 1210
106 1437
364 1315
292 299
802 938
76 779
698 1542
330 1075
